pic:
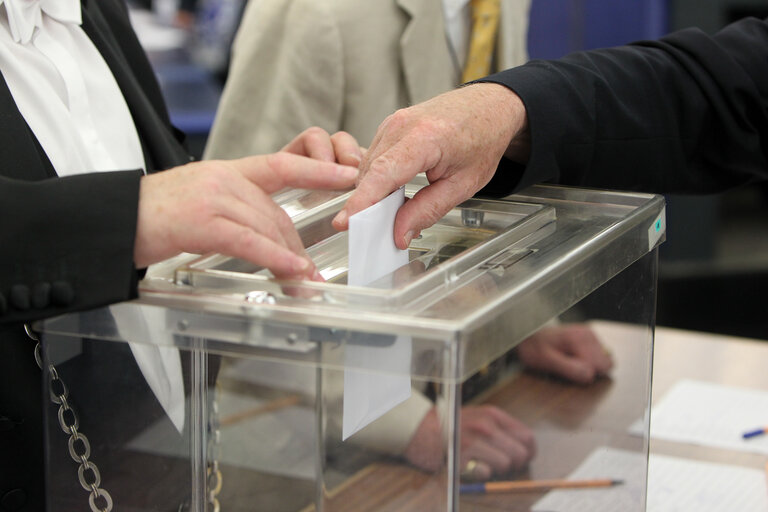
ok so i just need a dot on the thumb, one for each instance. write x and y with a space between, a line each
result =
427 206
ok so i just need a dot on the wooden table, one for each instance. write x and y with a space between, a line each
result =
571 421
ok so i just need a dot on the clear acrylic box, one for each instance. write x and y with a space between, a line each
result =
223 388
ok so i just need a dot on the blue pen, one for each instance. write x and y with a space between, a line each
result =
755 433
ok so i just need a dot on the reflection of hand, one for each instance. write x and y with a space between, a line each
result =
456 138
224 207
571 351
493 440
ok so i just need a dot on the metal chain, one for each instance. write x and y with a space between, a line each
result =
215 479
79 447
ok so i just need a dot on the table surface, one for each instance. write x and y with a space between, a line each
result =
553 407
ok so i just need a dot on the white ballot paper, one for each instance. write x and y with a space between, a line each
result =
674 485
373 254
709 414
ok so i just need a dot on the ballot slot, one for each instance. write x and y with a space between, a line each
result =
468 238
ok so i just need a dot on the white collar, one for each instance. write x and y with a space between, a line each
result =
453 8
25 15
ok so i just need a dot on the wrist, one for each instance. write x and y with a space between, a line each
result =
519 148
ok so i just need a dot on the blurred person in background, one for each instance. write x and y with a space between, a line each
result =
347 64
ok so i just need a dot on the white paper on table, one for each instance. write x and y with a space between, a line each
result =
674 485
709 414
160 365
604 462
373 254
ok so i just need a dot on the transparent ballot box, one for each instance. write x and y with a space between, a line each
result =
514 346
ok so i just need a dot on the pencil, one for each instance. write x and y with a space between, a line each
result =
535 485
274 405
755 433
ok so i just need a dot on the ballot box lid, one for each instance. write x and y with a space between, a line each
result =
527 257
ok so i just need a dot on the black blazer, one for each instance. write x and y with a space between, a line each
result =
685 114
66 244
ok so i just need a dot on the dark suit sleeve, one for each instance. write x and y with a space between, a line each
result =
67 243
687 113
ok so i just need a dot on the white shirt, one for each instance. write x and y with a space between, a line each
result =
71 101
458 25
80 118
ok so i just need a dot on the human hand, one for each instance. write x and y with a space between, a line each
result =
315 143
571 351
457 138
224 207
491 442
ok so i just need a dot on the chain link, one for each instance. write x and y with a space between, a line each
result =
215 479
69 423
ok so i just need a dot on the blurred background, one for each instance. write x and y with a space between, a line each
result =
714 266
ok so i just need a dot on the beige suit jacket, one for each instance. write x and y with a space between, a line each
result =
340 65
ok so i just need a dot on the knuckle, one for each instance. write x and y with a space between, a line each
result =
341 136
204 206
272 232
508 460
277 167
432 212
315 131
397 119
283 223
244 241
276 162
215 178
528 440
382 169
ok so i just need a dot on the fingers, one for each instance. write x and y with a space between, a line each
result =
594 351
279 170
567 366
465 131
250 206
570 351
580 343
385 170
241 242
491 442
492 437
475 469
426 207
347 150
315 143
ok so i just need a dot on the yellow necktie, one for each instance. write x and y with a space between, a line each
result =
485 24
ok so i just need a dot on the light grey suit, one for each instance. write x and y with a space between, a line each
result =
340 65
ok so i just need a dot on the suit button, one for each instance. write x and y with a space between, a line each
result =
20 297
6 424
13 500
62 293
41 295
